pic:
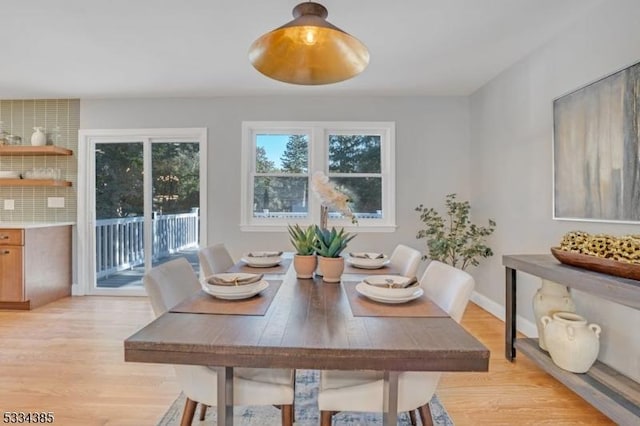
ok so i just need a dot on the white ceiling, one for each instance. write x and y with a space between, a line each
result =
187 48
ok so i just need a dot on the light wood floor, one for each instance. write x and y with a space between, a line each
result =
67 358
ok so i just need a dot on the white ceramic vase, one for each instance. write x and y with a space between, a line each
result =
38 138
573 345
551 297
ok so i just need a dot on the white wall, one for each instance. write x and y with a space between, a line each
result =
432 150
511 148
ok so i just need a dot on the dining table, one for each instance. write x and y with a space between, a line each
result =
308 324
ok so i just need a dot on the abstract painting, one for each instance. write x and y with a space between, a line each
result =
596 149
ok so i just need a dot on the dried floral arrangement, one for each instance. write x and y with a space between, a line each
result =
624 249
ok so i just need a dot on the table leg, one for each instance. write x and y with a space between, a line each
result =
510 314
225 396
390 395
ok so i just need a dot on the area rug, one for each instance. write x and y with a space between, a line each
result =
306 410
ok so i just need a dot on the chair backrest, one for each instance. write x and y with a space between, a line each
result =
214 259
169 284
449 287
406 260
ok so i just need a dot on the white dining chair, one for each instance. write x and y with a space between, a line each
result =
451 289
405 260
169 284
214 259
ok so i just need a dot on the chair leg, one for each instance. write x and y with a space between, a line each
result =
325 418
412 417
203 411
425 415
189 411
287 415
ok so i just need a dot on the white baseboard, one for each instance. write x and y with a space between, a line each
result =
523 325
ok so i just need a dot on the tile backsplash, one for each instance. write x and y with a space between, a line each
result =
60 119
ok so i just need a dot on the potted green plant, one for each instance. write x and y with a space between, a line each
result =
329 246
304 241
454 240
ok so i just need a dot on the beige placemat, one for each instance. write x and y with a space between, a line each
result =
361 306
204 303
282 268
385 270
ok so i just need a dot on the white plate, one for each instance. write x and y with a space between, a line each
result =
357 262
237 296
261 262
363 288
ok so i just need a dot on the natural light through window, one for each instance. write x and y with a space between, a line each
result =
279 159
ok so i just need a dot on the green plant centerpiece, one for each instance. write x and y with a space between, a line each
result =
454 240
305 261
329 245
303 240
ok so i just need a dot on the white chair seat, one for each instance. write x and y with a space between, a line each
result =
269 375
363 391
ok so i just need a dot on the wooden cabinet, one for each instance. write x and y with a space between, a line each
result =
25 150
611 392
35 266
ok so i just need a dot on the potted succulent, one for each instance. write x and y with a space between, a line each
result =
454 239
329 245
303 240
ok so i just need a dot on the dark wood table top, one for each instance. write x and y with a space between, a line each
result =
309 325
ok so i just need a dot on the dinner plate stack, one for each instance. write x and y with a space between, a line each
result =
262 259
367 260
233 286
390 288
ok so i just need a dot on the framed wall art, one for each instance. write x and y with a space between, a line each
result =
596 150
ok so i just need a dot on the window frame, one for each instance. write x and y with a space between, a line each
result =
318 133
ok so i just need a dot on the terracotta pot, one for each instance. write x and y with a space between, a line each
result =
305 266
331 268
549 299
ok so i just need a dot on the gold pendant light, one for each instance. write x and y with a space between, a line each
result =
309 50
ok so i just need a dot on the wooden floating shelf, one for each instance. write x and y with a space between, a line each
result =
34 182
34 150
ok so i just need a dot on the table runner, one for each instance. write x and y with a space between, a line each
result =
282 268
362 306
204 303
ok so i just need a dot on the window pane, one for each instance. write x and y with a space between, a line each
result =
280 197
282 153
354 154
365 193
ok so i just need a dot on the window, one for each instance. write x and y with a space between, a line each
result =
279 159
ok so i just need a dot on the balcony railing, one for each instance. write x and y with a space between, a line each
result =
120 242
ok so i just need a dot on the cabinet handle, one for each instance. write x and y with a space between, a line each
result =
4 237
5 252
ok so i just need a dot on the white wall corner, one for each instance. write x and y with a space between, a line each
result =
77 290
523 325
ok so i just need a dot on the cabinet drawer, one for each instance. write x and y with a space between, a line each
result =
11 237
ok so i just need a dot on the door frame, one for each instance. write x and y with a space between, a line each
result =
87 140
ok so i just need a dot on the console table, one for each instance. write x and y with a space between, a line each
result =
614 394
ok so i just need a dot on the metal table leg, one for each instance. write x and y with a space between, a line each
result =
510 314
390 395
225 396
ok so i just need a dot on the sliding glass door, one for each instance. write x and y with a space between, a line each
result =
144 195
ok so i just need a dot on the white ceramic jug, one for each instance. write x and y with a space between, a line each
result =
573 345
550 298
38 138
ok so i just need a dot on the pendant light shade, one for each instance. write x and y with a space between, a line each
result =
309 50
